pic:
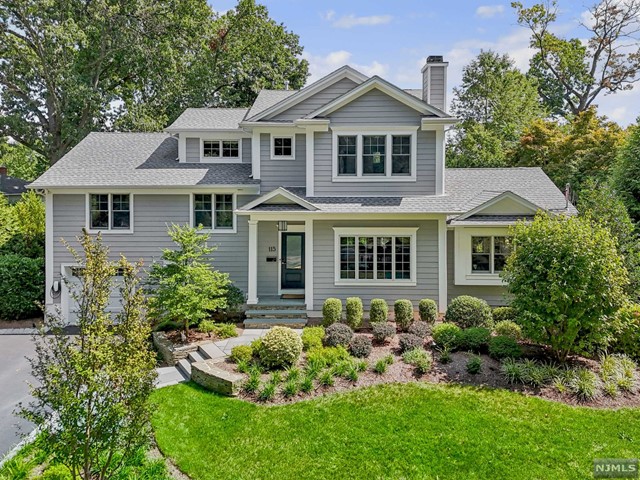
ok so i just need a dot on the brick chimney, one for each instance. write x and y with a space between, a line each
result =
434 82
3 170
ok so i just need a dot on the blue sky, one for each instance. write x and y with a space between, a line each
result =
393 38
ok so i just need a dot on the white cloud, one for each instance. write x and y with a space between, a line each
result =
489 11
329 15
349 21
321 65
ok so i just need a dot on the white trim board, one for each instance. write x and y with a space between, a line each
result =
462 256
274 193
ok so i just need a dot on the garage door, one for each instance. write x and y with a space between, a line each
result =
71 274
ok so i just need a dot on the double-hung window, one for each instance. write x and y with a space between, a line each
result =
382 256
109 212
374 149
347 154
221 150
489 253
282 147
214 211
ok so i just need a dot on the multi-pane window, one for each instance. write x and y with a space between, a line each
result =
401 155
489 254
283 146
221 148
213 211
109 211
347 154
374 154
375 258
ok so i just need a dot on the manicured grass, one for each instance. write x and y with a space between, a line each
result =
390 431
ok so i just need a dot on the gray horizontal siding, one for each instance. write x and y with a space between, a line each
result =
246 150
324 260
316 101
426 174
375 108
267 271
437 87
494 295
285 172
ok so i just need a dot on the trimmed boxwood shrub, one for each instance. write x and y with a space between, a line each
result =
507 328
312 337
428 310
281 347
409 341
446 335
403 311
473 339
360 346
355 312
22 286
420 328
241 353
338 334
504 347
331 311
378 311
501 314
466 311
383 331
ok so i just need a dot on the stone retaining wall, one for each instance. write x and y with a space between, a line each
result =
171 353
212 377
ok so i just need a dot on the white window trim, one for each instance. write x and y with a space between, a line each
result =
213 228
109 231
462 251
220 159
376 232
388 132
273 156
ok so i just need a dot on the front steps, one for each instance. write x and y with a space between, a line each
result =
287 312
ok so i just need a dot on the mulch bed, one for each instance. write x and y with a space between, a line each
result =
195 336
26 323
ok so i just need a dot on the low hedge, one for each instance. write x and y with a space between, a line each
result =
473 339
22 286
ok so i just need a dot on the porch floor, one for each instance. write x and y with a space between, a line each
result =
276 301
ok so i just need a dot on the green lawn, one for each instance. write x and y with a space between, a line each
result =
390 431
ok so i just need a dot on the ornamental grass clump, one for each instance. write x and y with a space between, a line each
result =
403 312
428 310
466 311
338 334
331 311
355 312
281 347
378 311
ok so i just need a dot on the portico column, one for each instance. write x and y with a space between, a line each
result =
252 290
308 263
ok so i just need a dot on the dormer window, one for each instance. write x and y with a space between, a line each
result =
282 147
221 151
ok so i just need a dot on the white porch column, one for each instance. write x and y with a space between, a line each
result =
442 264
252 293
308 263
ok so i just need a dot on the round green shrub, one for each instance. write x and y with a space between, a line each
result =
281 347
473 339
312 337
378 311
241 353
360 346
355 311
22 286
507 328
428 310
331 311
474 365
626 331
504 347
446 335
420 328
383 331
466 311
409 341
501 314
403 311
338 334
56 472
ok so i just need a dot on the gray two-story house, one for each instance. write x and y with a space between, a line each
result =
335 190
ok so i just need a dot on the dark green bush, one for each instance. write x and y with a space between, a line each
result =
420 328
403 311
383 331
312 337
501 314
409 341
378 311
446 335
355 311
281 347
22 286
241 353
331 311
474 365
466 311
504 347
360 346
338 334
235 298
473 339
428 310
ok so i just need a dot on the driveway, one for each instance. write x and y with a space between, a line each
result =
14 373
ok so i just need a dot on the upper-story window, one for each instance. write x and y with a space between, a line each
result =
375 156
214 212
283 146
221 150
109 212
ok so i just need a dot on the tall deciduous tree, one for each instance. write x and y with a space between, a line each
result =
571 73
495 102
626 174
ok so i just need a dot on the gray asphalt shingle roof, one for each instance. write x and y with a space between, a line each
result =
12 185
136 160
208 118
267 99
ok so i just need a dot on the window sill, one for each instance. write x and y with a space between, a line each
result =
279 157
111 232
220 160
482 279
373 178
217 231
375 283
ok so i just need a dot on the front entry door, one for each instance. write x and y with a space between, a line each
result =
292 260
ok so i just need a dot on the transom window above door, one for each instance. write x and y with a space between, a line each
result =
213 211
375 156
221 150
109 212
283 147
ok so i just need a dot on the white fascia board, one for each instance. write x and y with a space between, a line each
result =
431 123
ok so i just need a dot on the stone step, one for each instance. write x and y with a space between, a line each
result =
290 305
275 313
263 322
169 376
185 367
195 357
210 351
